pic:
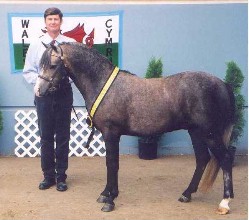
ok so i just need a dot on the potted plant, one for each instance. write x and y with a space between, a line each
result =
147 146
235 78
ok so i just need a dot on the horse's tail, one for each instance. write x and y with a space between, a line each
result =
213 166
231 116
232 110
210 174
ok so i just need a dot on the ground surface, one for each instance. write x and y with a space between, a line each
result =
148 190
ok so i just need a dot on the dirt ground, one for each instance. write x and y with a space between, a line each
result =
149 189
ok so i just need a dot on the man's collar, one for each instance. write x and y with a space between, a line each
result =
48 39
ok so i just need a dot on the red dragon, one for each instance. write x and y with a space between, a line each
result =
78 33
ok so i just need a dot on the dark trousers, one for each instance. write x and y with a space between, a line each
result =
54 118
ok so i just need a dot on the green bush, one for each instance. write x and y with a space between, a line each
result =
235 78
155 68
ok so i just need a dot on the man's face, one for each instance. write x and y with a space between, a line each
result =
53 23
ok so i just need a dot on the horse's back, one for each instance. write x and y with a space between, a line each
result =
179 101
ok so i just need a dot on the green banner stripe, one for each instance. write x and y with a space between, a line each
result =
110 51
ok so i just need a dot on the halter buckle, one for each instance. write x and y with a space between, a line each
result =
89 121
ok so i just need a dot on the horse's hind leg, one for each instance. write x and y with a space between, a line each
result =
225 161
202 158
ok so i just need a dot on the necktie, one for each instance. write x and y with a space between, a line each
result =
52 42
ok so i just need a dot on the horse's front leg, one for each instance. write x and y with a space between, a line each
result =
112 163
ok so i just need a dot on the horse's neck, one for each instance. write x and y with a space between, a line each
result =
90 87
91 72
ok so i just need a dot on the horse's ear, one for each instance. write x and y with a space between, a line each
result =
45 45
53 47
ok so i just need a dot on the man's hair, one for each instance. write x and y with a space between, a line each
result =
53 11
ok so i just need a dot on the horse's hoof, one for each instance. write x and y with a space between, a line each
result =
222 211
108 207
184 199
102 199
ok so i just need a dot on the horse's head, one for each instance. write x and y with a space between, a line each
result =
53 70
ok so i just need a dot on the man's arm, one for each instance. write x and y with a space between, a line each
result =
31 69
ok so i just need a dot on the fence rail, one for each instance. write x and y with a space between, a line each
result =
27 135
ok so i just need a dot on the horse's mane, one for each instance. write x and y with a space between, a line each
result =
94 52
128 72
45 61
79 48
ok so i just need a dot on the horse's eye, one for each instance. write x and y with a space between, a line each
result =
52 67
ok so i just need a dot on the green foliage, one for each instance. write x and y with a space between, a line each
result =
154 69
235 78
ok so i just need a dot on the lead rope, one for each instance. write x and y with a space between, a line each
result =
90 138
75 112
91 134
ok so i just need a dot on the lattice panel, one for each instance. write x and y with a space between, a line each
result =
27 137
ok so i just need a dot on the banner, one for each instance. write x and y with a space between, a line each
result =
98 30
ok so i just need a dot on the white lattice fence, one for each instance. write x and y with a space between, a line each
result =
27 136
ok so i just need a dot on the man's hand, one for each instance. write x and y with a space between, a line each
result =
36 90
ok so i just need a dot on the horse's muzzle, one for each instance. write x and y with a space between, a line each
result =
42 87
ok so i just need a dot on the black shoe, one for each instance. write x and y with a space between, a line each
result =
46 183
61 186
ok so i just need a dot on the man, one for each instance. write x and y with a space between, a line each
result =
54 109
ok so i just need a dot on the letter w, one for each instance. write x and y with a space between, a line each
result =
25 23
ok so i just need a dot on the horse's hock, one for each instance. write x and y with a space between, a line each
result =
27 135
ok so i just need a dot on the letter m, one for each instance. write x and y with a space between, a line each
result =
108 41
